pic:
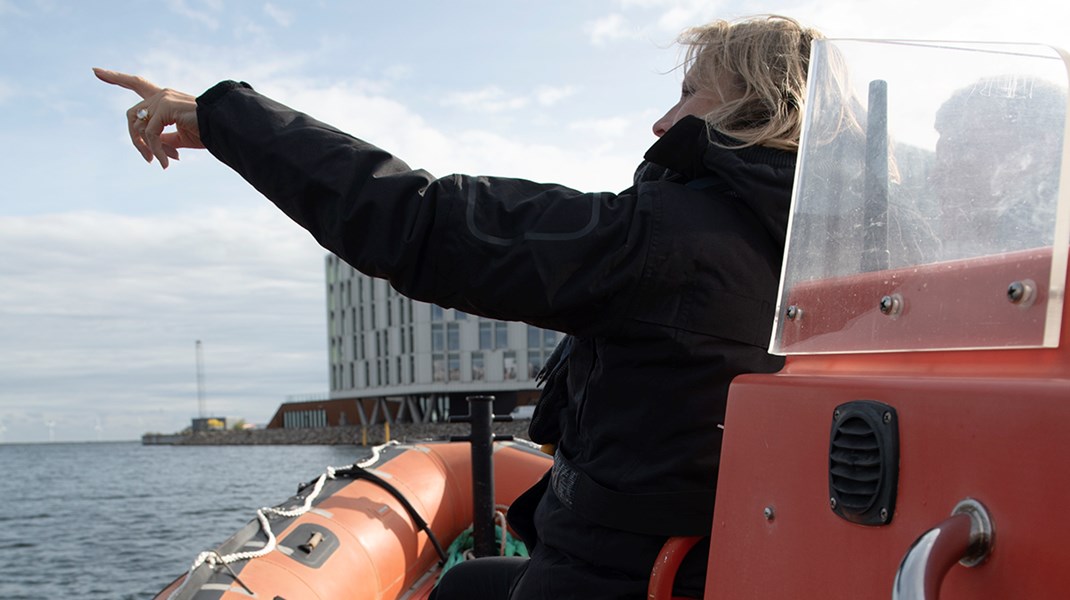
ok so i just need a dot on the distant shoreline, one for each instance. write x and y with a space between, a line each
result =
353 435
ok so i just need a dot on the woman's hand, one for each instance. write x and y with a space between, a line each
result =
159 108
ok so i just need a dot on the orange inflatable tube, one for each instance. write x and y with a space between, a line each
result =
357 540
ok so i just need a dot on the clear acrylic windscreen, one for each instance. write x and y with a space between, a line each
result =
927 212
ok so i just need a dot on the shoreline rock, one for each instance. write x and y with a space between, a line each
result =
353 435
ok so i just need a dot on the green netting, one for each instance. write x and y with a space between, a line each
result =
459 550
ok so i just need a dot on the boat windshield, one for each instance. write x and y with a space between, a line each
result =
928 212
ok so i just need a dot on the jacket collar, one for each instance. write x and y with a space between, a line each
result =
689 146
682 148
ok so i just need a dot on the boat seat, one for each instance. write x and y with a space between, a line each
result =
667 564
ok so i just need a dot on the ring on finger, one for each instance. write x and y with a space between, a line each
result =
142 114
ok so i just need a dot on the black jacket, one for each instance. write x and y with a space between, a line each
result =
668 289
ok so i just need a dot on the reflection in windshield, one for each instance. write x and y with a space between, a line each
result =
996 171
928 173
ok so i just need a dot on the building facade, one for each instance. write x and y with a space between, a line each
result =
386 346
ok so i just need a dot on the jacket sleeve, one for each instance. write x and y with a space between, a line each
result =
503 248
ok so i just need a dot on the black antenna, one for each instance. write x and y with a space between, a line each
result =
875 198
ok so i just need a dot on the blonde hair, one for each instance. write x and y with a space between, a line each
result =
762 61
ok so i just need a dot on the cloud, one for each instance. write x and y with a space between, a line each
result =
7 7
549 95
610 28
489 99
492 99
280 16
6 91
1040 22
657 20
608 127
202 14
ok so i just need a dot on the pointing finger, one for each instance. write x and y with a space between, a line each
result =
139 85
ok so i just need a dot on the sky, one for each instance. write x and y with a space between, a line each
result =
111 269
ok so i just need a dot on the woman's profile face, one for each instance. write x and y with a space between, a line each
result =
693 102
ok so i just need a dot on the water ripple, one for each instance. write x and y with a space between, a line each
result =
132 517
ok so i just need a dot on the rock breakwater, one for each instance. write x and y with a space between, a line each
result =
331 436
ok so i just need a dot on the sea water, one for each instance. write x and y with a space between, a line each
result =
120 520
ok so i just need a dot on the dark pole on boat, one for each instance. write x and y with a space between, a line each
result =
875 202
482 438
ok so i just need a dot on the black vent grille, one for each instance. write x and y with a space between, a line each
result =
863 462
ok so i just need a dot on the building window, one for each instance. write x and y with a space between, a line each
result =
438 367
304 419
534 363
438 338
477 366
501 335
455 366
493 335
510 365
460 315
540 345
534 337
453 336
437 312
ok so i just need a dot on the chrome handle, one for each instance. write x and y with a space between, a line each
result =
965 537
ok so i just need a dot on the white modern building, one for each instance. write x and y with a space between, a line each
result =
384 345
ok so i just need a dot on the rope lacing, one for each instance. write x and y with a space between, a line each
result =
213 558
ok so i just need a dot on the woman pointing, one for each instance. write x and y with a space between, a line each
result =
666 289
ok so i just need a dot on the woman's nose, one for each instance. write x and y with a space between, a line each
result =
663 124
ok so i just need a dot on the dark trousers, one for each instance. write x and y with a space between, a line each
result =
599 563
489 578
548 575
